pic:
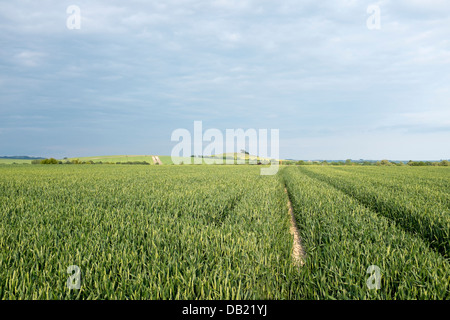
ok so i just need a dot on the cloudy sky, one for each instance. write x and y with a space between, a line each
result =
136 71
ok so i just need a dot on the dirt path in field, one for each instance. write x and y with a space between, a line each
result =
156 160
298 253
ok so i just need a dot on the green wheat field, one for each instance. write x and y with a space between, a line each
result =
222 232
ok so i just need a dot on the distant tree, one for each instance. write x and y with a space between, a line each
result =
445 163
417 163
348 162
36 161
385 162
49 161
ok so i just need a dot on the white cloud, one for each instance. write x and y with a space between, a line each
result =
424 119
231 37
29 58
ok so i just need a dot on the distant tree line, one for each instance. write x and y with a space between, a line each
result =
383 162
77 161
348 162
444 163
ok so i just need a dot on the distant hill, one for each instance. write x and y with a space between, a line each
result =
121 158
20 157
238 155
164 159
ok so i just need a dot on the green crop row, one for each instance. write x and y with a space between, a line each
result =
342 238
429 184
156 232
427 217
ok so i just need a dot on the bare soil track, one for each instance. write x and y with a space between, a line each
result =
156 160
298 253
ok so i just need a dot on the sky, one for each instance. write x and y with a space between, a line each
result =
135 71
